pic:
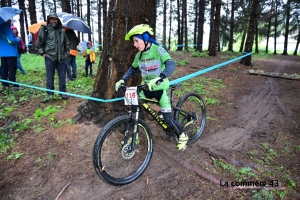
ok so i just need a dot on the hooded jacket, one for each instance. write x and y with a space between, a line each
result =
54 43
8 41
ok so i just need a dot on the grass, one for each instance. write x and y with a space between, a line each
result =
16 121
241 174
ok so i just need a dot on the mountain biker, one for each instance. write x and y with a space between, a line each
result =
155 64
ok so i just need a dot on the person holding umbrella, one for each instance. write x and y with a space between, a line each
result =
9 54
54 46
71 60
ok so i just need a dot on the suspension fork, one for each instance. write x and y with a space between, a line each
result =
135 120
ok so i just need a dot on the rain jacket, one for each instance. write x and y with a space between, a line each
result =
89 54
8 42
53 42
74 41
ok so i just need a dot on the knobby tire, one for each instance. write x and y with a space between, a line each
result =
108 162
193 104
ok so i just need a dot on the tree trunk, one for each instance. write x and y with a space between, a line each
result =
78 14
256 38
32 11
81 15
242 41
200 25
251 32
3 3
215 33
88 5
105 15
170 26
32 17
268 34
65 6
179 40
100 28
269 27
184 25
117 56
43 10
275 27
287 26
54 3
22 14
230 45
211 25
196 24
297 45
164 24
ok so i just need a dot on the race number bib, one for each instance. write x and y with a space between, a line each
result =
131 96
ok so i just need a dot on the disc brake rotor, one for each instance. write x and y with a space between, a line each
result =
127 153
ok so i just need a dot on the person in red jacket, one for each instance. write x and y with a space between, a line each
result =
21 49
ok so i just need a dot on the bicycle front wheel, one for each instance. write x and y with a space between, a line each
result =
190 113
115 162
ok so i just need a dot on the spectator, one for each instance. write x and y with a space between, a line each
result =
29 42
71 60
9 54
54 46
90 57
21 49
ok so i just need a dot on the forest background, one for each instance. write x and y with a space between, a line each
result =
181 24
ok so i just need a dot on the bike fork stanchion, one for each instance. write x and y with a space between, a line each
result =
135 128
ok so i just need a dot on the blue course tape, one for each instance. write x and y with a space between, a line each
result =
207 69
65 93
121 98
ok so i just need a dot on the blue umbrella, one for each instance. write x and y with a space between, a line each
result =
7 13
74 22
83 45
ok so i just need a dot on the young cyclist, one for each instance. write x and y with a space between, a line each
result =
155 64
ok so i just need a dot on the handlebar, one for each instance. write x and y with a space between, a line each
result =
140 87
144 86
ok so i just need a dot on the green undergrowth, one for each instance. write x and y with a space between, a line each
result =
15 121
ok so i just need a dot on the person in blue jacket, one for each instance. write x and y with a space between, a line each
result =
9 55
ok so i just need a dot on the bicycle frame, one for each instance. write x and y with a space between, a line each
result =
153 113
143 102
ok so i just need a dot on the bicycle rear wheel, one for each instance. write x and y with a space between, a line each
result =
190 113
113 160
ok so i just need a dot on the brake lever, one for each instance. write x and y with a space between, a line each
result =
159 81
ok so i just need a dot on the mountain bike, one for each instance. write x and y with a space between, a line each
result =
119 161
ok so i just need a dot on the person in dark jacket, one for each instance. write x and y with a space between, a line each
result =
9 55
53 44
71 60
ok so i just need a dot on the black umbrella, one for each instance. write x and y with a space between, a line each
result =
74 22
7 13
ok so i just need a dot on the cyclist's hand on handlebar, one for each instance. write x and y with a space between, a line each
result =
118 84
153 83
